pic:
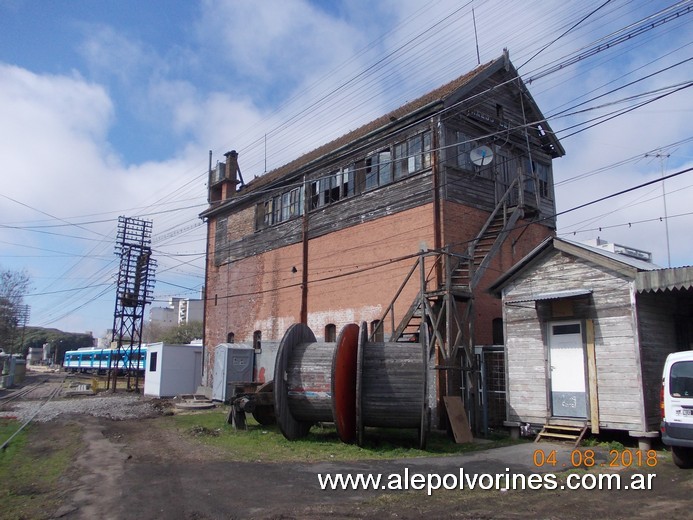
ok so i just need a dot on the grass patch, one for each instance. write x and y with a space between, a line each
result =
30 467
267 444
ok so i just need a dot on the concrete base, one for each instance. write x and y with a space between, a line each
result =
644 439
204 390
514 428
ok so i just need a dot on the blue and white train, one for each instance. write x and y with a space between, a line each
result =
97 360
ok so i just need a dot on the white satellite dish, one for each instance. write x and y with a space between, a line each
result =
481 155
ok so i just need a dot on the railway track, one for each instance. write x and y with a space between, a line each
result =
44 390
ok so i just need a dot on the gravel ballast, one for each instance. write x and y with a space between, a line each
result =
116 407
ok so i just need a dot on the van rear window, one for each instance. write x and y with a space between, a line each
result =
681 379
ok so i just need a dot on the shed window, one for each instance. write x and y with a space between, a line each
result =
573 328
152 361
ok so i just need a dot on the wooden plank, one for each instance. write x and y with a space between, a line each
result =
592 376
458 419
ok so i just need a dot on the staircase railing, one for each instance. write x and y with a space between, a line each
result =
396 330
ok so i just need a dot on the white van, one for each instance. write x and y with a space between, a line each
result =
677 407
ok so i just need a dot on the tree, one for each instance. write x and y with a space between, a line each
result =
60 341
183 333
13 287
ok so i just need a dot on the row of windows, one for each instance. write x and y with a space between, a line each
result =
377 169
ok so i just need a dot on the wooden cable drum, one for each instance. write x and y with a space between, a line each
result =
304 381
391 386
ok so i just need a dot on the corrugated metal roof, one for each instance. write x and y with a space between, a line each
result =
640 265
680 278
555 295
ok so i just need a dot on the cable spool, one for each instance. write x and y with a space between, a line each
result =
314 382
352 383
391 386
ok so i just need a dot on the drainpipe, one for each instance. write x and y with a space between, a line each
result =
304 273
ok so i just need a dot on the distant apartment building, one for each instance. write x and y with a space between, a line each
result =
178 312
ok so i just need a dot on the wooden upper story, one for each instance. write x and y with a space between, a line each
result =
476 141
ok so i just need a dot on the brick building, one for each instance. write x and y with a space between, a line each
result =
458 182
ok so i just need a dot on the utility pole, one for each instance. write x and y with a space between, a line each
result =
662 157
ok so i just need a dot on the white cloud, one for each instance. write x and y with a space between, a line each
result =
52 136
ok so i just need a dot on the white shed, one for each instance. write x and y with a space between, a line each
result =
172 369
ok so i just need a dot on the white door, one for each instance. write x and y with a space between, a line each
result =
567 370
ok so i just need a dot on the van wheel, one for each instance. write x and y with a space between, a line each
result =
683 457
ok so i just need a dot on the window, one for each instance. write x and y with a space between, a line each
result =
464 146
348 181
681 379
401 163
573 328
257 339
497 331
230 337
277 209
152 361
295 202
267 212
330 333
333 187
413 155
286 206
542 172
315 199
378 169
377 332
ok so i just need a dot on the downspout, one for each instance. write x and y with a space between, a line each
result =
304 273
435 174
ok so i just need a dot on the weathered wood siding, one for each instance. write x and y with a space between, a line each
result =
498 116
617 357
657 328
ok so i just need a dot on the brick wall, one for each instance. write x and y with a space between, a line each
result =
461 224
353 275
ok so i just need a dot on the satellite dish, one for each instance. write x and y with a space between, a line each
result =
481 155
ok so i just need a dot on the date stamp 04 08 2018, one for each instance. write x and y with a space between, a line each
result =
587 459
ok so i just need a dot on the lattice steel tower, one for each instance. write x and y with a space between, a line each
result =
134 292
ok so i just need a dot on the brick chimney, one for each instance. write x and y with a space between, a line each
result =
228 188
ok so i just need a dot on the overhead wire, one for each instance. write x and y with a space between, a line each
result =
172 228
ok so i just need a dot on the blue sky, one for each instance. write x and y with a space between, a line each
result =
110 108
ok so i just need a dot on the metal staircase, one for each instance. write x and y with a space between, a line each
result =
444 300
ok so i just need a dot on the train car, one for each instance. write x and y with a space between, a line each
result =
95 360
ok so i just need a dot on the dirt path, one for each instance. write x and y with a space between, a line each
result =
136 469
